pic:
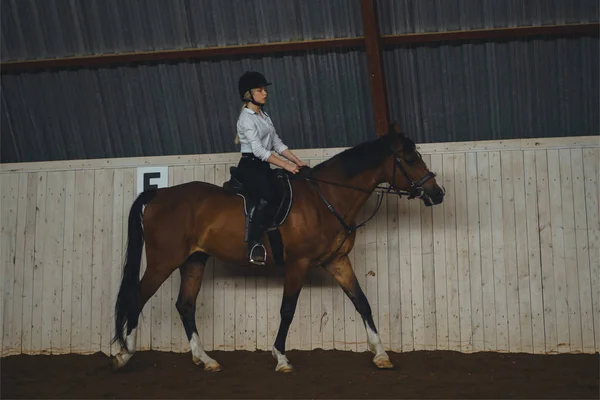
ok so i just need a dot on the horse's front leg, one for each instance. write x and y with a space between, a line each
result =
342 272
295 274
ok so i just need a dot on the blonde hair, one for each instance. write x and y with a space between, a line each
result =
245 100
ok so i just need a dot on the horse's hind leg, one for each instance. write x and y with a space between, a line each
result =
294 278
342 272
191 280
154 276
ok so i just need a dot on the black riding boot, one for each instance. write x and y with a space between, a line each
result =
257 254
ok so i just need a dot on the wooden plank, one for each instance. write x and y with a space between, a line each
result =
356 326
487 266
416 274
19 263
9 209
219 279
29 262
328 314
558 252
355 335
228 283
262 318
207 304
406 301
108 303
272 288
583 259
428 275
328 285
237 295
451 254
462 242
348 319
474 252
316 306
510 252
498 257
572 281
178 335
101 180
394 274
3 267
533 254
545 229
214 158
591 158
370 286
116 257
383 289
165 306
439 260
4 240
53 256
68 258
172 324
339 318
81 291
525 317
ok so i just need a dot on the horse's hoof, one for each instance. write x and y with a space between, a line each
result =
115 364
383 363
212 367
286 368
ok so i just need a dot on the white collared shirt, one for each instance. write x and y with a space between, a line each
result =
257 134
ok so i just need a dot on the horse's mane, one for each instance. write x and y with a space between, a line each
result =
367 155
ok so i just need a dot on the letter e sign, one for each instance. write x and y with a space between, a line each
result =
152 178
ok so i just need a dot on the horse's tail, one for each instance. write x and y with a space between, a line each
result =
126 307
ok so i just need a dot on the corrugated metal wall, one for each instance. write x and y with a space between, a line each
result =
405 16
532 88
490 91
50 28
316 101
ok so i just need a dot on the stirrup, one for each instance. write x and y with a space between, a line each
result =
258 262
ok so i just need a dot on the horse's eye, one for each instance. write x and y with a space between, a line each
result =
410 158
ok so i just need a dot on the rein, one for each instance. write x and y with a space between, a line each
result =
416 190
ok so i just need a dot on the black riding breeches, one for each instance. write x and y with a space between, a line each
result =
257 176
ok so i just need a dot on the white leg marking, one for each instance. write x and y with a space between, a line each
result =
199 356
381 359
125 355
283 365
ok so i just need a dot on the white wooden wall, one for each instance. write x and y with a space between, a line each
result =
509 262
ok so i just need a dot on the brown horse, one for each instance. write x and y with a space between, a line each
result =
185 224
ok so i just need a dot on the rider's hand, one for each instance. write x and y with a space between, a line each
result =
293 168
301 164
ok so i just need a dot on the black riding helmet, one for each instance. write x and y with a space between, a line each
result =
250 80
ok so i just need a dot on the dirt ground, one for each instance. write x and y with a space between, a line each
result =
318 374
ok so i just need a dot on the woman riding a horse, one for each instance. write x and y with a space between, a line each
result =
186 224
257 137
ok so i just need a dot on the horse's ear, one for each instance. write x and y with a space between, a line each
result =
395 128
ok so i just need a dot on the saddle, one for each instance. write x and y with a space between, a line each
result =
279 209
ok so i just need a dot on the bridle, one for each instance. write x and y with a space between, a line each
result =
416 188
415 191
